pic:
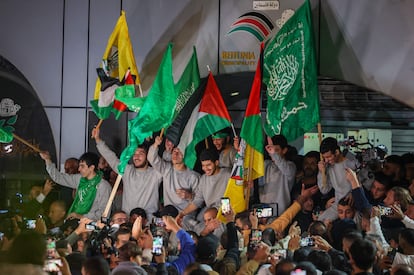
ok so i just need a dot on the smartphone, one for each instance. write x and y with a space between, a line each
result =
30 224
52 265
158 222
282 253
256 236
225 205
264 212
298 271
385 211
157 243
307 241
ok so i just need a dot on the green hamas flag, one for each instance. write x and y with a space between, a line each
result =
157 110
289 72
188 83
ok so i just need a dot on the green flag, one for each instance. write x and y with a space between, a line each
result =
290 75
157 111
188 83
6 129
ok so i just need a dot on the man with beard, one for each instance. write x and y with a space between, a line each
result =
140 181
221 141
211 188
179 182
309 176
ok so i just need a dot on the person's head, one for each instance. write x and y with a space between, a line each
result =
209 215
269 235
317 228
362 255
301 254
348 239
71 166
220 140
177 156
57 212
345 211
242 220
330 150
308 205
28 248
408 160
96 265
284 267
321 260
206 250
119 217
35 191
88 165
308 267
130 251
406 241
398 195
122 236
280 144
402 269
310 164
209 162
393 167
138 212
380 186
139 159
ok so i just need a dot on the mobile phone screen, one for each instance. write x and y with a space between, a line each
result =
30 224
157 245
52 265
225 205
264 212
256 236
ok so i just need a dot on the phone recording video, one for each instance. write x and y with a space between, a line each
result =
30 224
385 211
264 212
157 243
307 241
158 222
256 236
225 205
52 265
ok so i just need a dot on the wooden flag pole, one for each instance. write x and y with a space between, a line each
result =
26 143
161 133
111 198
320 141
99 124
206 142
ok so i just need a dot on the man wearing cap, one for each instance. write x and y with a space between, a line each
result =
140 181
221 141
179 182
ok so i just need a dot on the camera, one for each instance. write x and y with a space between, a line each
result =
158 222
307 241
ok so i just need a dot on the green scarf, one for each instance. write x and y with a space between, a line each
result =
85 195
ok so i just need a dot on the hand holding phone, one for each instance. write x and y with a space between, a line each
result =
52 265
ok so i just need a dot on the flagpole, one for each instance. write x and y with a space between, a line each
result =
234 130
249 178
206 143
111 198
26 143
140 89
320 141
161 133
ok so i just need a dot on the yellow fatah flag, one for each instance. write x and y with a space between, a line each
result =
118 56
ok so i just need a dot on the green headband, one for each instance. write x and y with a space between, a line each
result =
220 135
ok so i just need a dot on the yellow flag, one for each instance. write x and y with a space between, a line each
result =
118 56
234 191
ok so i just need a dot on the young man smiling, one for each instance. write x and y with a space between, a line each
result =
92 191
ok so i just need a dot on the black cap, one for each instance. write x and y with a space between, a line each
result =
168 210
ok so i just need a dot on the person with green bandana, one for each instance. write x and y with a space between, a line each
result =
92 191
221 141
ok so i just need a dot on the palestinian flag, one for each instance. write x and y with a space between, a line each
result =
208 117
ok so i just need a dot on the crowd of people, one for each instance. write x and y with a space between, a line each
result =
326 212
